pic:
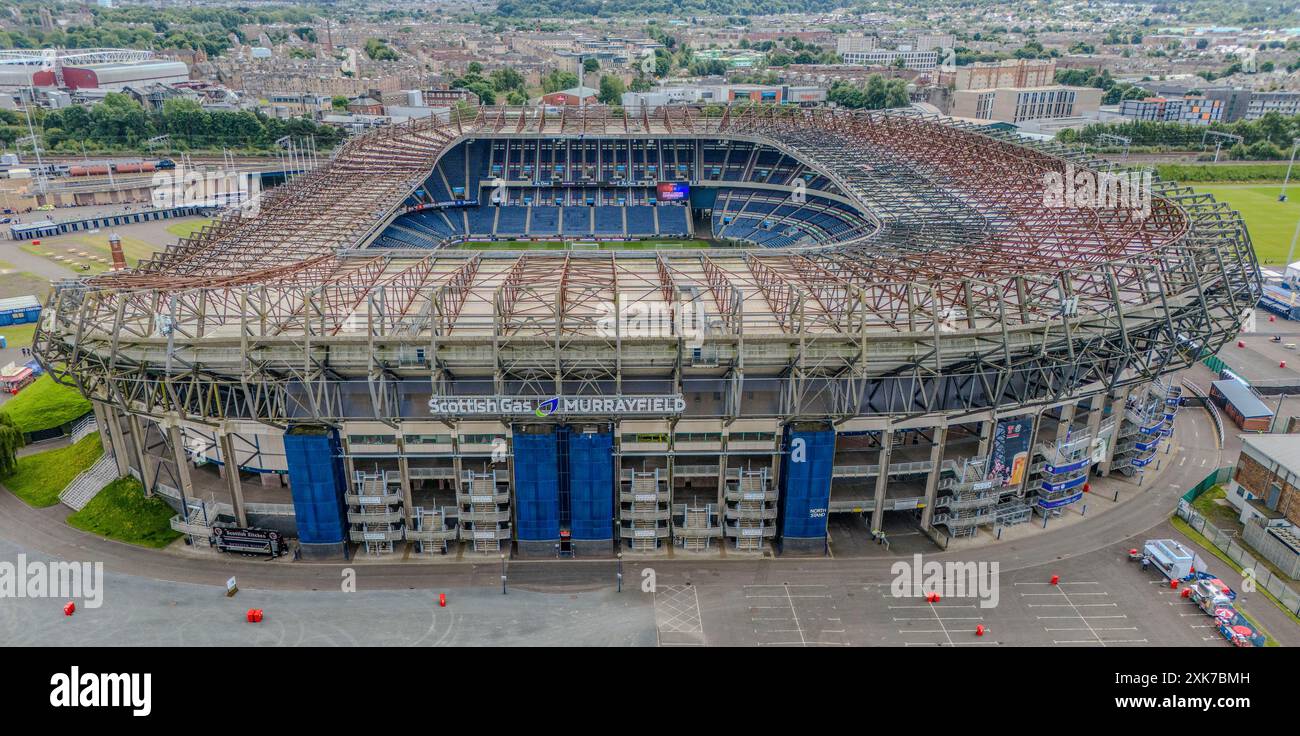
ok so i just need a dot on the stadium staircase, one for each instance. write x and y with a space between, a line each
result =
89 482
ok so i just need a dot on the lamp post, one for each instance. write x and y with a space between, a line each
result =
1282 196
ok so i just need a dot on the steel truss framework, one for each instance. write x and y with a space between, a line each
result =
965 293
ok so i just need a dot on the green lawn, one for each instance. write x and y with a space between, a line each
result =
1271 223
187 227
19 336
39 478
45 404
22 283
122 512
97 255
1220 515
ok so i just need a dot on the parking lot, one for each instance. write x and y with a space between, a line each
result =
1102 600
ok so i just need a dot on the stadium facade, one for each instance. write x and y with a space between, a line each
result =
896 318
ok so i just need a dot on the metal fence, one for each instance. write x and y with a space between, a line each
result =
1230 547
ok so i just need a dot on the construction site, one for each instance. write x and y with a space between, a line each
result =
587 332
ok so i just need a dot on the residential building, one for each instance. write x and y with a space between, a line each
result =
1261 103
1187 110
1008 73
915 60
1016 104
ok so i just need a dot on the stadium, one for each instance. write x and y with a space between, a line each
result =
700 330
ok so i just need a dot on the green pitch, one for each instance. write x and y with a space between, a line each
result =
1271 223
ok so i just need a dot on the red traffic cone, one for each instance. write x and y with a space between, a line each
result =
1187 592
1173 584
979 630
442 600
69 608
1056 580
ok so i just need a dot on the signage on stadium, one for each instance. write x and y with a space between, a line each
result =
458 406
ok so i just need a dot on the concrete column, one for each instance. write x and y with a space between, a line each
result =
1094 414
1116 410
141 457
106 413
408 503
101 421
182 462
1065 422
986 437
882 481
226 443
932 480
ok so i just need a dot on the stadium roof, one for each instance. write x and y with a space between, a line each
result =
960 269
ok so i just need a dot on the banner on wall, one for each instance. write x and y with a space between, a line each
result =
1010 451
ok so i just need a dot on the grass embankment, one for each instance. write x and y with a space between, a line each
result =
38 478
45 404
122 512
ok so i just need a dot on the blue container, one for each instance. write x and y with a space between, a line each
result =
807 460
537 487
591 485
318 483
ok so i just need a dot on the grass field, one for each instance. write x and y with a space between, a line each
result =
88 253
19 336
122 512
45 404
185 228
22 283
39 477
1271 223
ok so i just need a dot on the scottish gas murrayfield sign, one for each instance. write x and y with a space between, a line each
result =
612 406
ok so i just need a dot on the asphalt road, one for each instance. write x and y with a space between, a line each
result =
157 597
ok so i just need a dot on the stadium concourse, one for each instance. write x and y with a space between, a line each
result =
893 319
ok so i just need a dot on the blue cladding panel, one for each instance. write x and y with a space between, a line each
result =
806 486
537 488
318 483
591 485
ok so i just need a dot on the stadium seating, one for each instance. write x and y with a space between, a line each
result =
609 220
544 221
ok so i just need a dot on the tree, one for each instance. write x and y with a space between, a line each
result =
558 80
590 65
378 50
11 438
611 90
506 79
339 102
